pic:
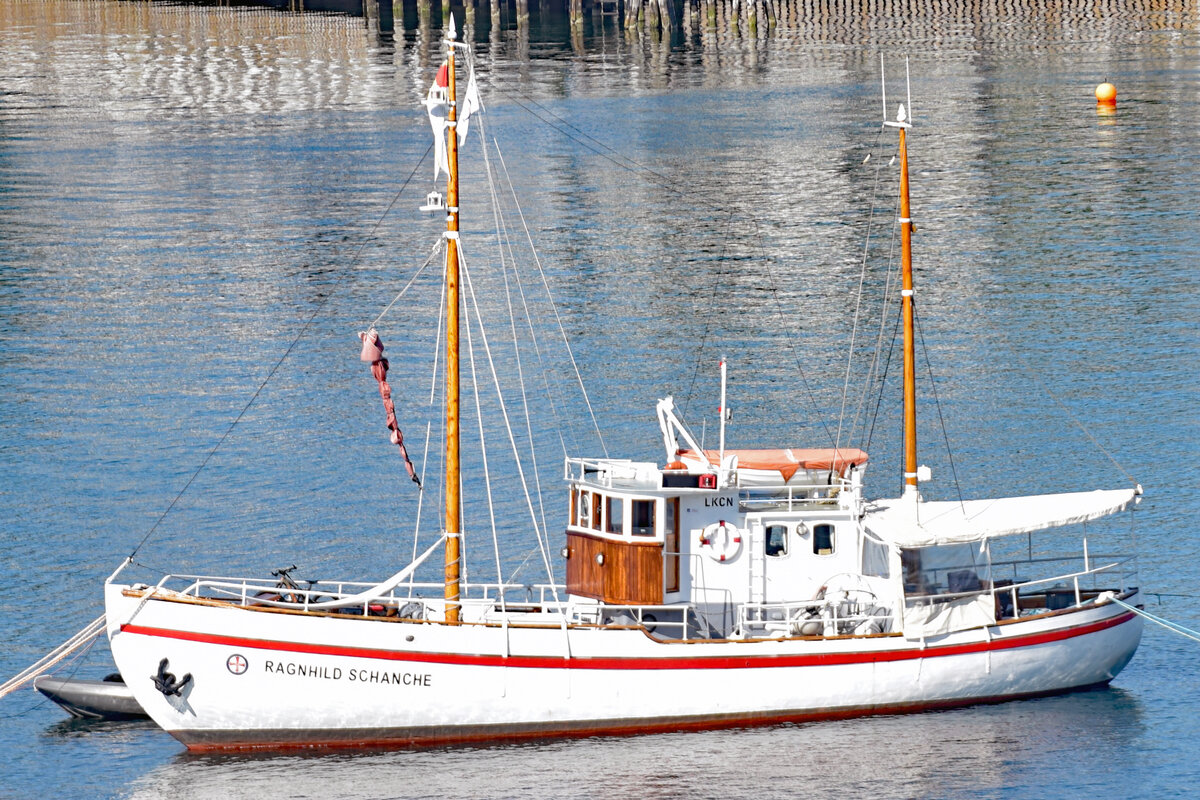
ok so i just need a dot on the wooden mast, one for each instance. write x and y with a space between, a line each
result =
906 303
453 522
907 311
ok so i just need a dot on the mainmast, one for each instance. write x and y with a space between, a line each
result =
453 522
907 311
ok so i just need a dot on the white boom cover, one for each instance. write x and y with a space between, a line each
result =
908 524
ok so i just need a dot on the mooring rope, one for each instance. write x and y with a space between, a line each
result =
1166 623
56 655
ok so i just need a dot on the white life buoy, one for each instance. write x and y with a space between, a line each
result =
721 540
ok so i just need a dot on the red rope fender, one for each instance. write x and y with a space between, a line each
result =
372 353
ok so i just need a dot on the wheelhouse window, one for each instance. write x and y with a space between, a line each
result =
777 541
583 508
642 518
824 540
587 510
614 514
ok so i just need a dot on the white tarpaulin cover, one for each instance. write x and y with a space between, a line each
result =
908 524
923 619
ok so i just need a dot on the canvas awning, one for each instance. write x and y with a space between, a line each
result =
908 524
786 460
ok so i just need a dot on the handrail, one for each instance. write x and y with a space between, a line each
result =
826 612
1013 590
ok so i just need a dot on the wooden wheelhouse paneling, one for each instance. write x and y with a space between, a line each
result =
632 572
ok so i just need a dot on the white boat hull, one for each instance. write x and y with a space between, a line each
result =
264 679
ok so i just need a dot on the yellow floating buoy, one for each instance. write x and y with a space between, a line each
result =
1106 94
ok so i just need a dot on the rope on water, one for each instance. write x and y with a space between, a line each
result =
1173 626
54 656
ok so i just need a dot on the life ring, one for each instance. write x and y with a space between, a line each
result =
721 540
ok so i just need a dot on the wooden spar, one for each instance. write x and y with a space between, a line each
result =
453 522
906 307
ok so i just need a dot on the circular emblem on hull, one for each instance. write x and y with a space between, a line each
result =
237 664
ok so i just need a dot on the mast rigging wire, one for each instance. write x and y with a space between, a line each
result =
1044 386
324 301
502 240
554 308
938 405
504 414
862 277
624 162
487 475
560 422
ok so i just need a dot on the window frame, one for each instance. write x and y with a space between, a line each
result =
787 532
611 500
832 550
633 517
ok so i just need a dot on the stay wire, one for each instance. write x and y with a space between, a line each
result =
503 242
605 151
883 380
560 422
614 156
321 304
938 405
862 278
863 407
1045 387
554 307
687 400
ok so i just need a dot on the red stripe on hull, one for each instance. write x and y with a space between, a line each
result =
640 663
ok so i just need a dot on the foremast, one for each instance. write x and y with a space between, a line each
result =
452 520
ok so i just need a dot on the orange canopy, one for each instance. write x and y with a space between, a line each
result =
788 460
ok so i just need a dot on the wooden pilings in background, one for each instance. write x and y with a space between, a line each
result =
662 14
751 17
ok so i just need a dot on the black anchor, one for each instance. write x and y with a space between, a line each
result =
165 681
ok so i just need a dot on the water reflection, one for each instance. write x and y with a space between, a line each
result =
162 59
109 730
967 753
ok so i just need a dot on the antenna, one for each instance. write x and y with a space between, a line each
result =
883 86
904 113
908 89
723 412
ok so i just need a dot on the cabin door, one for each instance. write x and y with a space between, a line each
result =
671 545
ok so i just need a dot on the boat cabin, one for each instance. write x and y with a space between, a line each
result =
767 527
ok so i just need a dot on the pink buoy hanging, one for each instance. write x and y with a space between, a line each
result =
372 353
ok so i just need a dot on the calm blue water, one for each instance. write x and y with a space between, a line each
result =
185 192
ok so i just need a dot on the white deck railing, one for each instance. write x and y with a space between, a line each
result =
422 599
